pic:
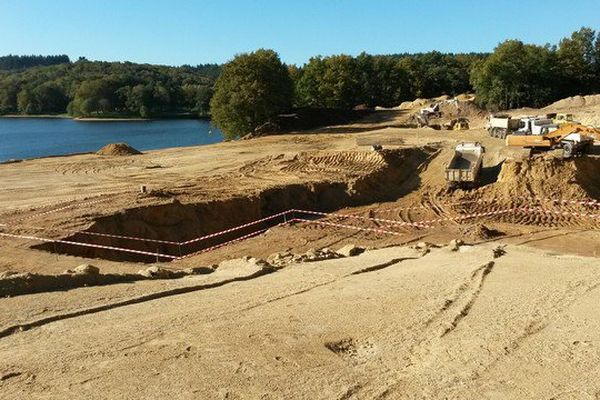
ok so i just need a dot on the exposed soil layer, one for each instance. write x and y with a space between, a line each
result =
372 177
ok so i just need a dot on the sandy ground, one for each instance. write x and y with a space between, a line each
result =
394 322
390 323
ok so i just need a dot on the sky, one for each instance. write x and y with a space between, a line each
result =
176 32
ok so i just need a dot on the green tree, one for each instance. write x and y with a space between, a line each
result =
252 88
330 82
515 75
576 56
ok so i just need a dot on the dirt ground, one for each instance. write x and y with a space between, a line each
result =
415 323
390 323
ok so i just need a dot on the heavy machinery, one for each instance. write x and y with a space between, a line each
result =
457 124
423 116
465 166
562 118
574 139
500 126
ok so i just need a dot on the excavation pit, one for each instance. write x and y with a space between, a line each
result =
174 229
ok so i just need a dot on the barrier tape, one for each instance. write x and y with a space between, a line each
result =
568 213
419 224
236 228
227 243
97 246
358 228
391 221
39 228
62 208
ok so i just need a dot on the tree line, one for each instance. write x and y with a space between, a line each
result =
93 88
14 62
252 88
514 75
525 75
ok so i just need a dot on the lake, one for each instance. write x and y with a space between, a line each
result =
39 137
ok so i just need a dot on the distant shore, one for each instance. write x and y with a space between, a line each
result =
102 119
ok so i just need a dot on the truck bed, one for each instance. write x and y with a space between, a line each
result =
465 164
463 161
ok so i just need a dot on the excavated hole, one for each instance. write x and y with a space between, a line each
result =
177 222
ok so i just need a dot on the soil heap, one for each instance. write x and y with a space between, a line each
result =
117 149
549 177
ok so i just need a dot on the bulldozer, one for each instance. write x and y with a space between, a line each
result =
457 124
562 118
574 139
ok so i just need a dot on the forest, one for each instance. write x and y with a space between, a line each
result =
514 75
103 89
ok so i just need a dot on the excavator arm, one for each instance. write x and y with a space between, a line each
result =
573 138
567 129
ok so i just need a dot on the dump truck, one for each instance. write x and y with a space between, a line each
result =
465 165
500 126
574 139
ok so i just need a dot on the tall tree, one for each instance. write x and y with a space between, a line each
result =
515 75
576 58
252 88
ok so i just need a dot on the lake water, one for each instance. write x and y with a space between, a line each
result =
39 137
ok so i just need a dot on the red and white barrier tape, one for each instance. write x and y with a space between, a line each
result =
390 221
88 233
358 228
419 224
235 228
97 246
227 243
62 208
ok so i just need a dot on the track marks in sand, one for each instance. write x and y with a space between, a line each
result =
479 276
383 265
446 319
136 300
331 281
440 324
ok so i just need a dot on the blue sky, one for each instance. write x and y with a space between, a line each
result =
179 32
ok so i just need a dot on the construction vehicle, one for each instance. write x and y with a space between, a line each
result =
574 139
457 124
432 111
500 126
423 116
464 167
562 118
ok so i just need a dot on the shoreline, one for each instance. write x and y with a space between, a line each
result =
103 119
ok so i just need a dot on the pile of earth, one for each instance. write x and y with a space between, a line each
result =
478 231
419 102
547 177
117 149
586 109
576 101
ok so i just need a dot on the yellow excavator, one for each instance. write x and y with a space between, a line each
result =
573 138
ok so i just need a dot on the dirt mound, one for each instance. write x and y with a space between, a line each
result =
479 232
548 177
461 108
348 162
117 149
576 102
409 105
466 97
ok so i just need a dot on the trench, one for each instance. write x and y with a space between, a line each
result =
178 222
